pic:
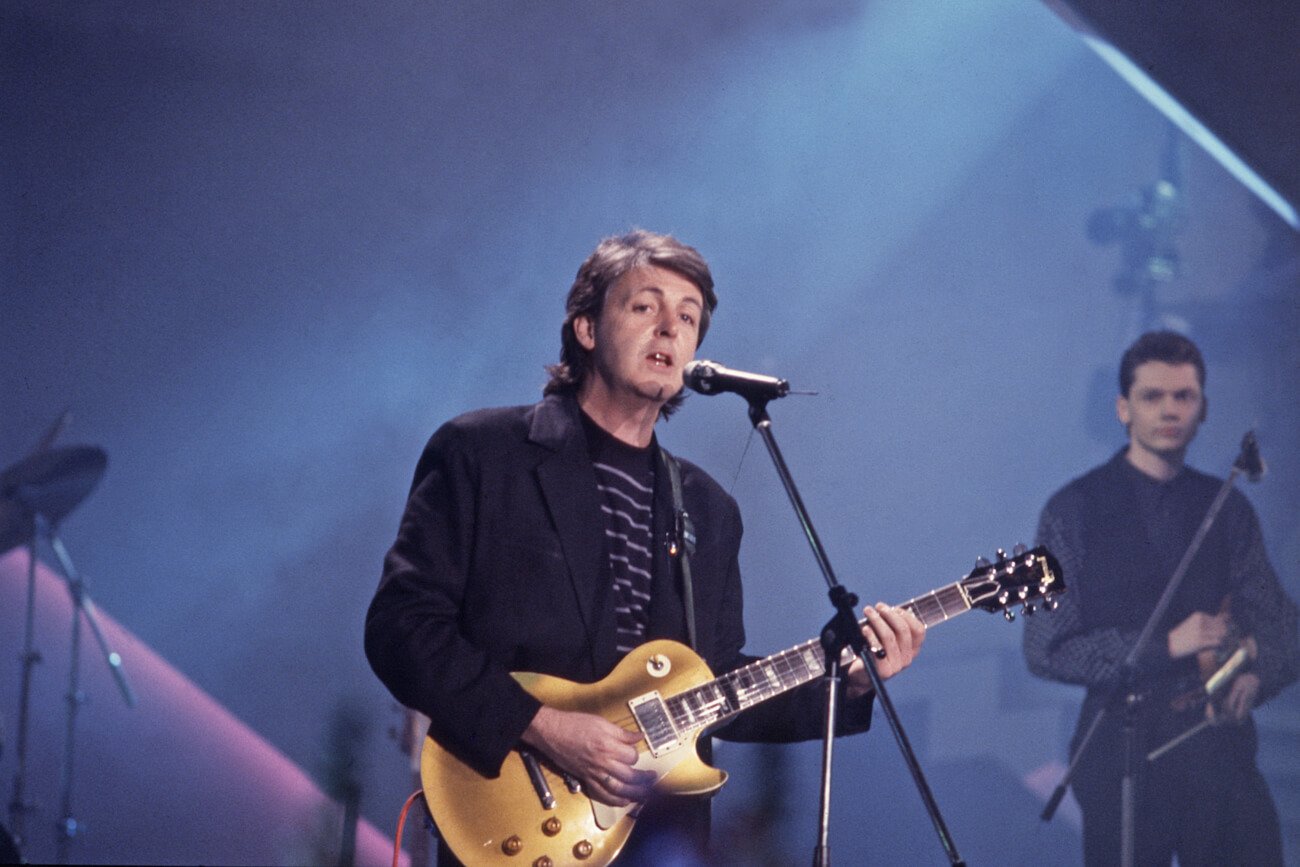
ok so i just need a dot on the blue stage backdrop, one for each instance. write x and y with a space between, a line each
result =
260 250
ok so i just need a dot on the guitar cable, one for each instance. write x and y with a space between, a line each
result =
401 824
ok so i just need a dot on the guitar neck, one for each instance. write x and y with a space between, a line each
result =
723 697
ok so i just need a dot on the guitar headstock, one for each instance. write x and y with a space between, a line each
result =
1025 578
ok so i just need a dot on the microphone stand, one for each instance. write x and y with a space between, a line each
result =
841 633
1247 462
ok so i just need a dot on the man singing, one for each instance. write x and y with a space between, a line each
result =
537 538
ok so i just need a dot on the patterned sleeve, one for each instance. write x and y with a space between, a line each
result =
1262 606
1056 644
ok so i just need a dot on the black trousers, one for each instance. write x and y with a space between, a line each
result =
1204 801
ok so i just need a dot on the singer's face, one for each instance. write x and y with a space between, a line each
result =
646 333
1163 408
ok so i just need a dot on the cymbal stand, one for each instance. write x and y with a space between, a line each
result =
18 808
82 607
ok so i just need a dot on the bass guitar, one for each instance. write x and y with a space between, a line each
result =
534 814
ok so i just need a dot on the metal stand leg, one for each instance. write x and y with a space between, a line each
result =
67 826
18 807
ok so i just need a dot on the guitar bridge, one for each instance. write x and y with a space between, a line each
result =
652 717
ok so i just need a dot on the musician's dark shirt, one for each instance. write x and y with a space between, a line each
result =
1119 536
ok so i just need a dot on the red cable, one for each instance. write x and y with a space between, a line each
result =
401 823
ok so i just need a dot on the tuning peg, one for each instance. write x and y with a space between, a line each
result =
982 563
1030 608
1002 554
1019 549
1052 603
1009 615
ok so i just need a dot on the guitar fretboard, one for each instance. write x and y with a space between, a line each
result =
724 697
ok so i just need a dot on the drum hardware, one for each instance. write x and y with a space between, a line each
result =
36 494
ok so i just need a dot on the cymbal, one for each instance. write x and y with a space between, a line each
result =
50 483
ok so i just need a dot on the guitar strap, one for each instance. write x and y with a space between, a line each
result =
682 545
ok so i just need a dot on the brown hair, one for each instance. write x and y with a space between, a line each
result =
612 258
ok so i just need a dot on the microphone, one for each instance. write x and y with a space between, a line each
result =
1249 461
709 377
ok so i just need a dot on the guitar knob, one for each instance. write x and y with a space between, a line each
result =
658 665
512 845
1019 549
582 850
551 826
544 861
1009 615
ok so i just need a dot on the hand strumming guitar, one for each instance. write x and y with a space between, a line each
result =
600 754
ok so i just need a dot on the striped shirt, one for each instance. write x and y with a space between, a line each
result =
625 478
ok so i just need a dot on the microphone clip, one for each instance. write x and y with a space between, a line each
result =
1248 461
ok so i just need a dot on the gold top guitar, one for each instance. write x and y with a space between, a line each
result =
533 814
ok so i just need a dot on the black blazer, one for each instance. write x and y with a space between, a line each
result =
497 567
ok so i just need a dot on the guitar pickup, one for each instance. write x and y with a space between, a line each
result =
652 717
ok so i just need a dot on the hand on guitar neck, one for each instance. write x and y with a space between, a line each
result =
896 631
